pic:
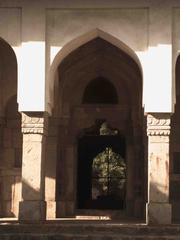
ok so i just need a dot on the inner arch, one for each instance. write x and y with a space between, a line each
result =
101 91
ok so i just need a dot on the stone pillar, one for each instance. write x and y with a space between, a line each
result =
34 128
158 208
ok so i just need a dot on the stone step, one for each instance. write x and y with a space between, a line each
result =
80 230
31 236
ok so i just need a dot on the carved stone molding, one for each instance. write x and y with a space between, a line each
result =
34 123
158 124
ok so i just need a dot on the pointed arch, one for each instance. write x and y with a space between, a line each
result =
88 57
76 43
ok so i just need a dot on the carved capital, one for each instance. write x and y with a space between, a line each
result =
34 123
158 124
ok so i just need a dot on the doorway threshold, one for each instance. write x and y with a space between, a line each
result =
103 214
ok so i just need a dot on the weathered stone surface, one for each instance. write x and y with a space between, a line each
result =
8 156
8 182
17 190
50 209
159 213
13 123
32 210
7 208
158 207
11 194
34 127
70 230
17 138
60 26
7 137
32 171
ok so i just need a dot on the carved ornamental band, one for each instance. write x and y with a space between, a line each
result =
158 125
35 123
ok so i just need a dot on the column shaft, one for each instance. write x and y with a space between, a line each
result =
158 207
33 207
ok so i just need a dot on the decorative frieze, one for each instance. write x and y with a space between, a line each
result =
34 123
158 124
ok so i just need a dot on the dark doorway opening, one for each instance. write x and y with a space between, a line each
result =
101 181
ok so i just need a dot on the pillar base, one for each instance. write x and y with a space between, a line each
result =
32 211
158 213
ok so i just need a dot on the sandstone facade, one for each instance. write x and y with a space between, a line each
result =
65 69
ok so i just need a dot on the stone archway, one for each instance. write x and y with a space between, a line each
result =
10 134
101 169
96 59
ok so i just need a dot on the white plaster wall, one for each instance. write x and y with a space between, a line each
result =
129 25
31 95
10 25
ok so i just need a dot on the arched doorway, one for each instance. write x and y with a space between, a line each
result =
99 82
101 173
10 134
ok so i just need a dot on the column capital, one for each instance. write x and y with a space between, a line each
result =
158 124
34 122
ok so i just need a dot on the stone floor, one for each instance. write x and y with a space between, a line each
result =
86 230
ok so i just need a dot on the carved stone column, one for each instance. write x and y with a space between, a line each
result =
34 128
158 131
